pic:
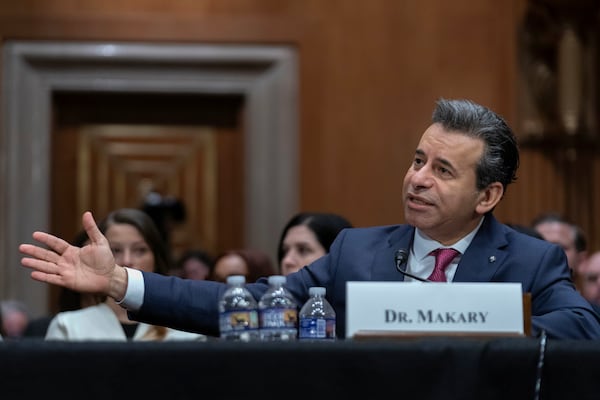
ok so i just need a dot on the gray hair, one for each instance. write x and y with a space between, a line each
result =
500 158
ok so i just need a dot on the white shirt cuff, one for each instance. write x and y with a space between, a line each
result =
134 295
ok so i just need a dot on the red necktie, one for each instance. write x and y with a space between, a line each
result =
443 257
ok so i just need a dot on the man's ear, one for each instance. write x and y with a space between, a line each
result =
489 197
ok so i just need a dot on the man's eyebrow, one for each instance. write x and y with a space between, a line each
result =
443 161
446 163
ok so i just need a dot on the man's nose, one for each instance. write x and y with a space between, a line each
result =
422 176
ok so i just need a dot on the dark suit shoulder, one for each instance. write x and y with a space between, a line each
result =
375 233
380 229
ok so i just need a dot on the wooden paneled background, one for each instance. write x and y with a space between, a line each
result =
369 73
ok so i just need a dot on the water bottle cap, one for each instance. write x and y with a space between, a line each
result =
236 279
277 279
317 290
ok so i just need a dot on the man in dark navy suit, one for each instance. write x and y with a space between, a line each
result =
461 169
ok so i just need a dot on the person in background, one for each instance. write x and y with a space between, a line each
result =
68 300
194 264
306 237
251 263
557 229
136 242
590 279
15 318
462 166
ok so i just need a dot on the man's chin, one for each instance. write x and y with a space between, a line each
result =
417 219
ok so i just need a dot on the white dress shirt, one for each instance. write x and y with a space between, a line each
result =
421 262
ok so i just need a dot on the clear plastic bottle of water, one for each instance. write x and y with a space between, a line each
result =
238 312
317 317
278 312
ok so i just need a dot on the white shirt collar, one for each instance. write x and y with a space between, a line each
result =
420 263
423 245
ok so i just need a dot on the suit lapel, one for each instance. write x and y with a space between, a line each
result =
480 262
384 266
484 255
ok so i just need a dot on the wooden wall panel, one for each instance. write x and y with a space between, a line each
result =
369 75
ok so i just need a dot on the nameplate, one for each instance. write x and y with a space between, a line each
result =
434 307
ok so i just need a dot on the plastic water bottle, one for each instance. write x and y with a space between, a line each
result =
278 312
317 317
238 312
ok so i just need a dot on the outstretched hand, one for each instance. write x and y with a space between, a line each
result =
90 268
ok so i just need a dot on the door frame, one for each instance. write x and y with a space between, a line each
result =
266 77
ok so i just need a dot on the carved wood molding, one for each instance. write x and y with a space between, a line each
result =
33 71
558 45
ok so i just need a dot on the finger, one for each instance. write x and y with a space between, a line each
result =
40 265
91 228
47 278
39 253
53 242
41 268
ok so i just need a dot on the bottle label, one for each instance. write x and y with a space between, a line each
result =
278 318
240 320
317 328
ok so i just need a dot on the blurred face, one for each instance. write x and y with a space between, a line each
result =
439 192
591 279
195 269
300 248
231 264
129 247
562 234
14 323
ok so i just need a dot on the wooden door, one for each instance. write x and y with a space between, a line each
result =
113 152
